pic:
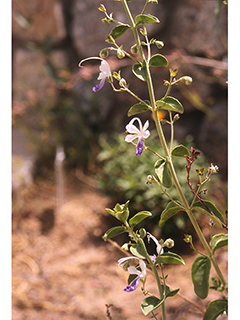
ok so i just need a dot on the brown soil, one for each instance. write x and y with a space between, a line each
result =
62 269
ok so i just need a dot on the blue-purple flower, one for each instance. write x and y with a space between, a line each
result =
133 270
105 72
140 134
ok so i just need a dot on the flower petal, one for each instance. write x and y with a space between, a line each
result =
140 147
99 86
133 270
130 137
105 71
133 285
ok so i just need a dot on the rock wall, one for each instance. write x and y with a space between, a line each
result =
50 35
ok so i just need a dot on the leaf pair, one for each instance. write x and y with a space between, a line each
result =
151 303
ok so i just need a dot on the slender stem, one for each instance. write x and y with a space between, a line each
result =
154 269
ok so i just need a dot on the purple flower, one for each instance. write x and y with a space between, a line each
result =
141 133
133 270
105 72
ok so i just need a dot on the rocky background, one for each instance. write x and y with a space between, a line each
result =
53 100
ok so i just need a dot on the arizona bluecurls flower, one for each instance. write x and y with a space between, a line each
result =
158 247
141 133
105 72
133 270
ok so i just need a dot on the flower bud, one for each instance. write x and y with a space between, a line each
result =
104 53
124 247
187 80
159 44
169 243
134 49
176 117
142 233
120 53
123 83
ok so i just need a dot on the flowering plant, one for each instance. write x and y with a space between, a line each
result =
165 175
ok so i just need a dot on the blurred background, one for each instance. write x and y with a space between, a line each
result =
70 160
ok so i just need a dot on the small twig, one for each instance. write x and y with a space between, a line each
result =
190 160
108 306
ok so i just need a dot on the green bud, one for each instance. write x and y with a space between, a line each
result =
124 247
169 243
123 83
104 53
120 53
159 44
187 80
134 49
176 117
142 233
117 75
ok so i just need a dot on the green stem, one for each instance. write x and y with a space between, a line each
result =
161 294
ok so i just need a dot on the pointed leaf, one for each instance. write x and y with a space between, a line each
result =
145 19
217 214
169 258
140 71
218 241
158 60
149 304
180 151
200 276
171 104
170 210
119 30
215 309
162 171
139 249
138 108
139 217
113 232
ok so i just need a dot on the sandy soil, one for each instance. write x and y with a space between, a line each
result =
62 269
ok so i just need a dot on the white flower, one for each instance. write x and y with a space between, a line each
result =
105 72
133 270
159 248
141 133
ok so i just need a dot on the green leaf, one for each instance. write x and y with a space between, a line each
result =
162 171
149 304
138 108
215 309
171 104
113 232
139 249
169 258
139 217
158 60
180 151
169 292
145 19
170 210
218 241
140 71
200 276
119 30
217 214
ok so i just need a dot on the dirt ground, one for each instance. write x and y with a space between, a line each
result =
62 269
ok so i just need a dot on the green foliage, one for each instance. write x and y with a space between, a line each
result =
169 258
218 241
151 303
123 175
162 171
139 108
139 217
170 104
158 60
215 309
200 276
